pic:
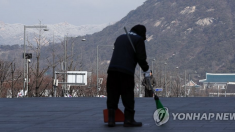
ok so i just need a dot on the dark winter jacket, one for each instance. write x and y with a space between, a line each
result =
124 58
152 81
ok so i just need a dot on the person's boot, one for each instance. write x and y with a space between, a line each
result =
111 120
132 123
129 119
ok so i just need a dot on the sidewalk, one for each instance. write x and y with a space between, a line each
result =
86 115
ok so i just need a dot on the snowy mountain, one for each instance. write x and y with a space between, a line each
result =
11 34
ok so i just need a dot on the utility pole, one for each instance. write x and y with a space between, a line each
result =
185 83
65 68
165 79
170 86
24 61
65 64
53 66
27 76
97 68
12 79
38 57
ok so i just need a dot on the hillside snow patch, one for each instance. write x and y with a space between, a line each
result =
157 23
188 10
205 21
189 30
210 10
156 3
150 38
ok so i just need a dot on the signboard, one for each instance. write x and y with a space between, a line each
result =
74 77
158 89
100 80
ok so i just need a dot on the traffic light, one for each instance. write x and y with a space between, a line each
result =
27 55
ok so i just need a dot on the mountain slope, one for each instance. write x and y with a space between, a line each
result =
200 34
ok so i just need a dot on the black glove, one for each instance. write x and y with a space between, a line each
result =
156 97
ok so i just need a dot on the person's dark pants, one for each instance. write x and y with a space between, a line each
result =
148 93
119 83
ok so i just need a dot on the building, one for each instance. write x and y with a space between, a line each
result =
219 82
191 88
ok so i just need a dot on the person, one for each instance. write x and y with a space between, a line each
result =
121 70
148 89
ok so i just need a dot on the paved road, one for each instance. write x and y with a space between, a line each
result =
85 115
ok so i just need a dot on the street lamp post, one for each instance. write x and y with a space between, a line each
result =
97 67
169 93
189 78
65 58
25 61
165 79
65 62
185 83
12 73
165 86
179 81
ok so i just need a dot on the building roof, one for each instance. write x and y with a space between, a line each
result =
191 84
219 78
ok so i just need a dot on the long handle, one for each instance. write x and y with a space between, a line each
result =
128 36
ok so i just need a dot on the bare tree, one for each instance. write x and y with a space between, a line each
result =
38 73
4 73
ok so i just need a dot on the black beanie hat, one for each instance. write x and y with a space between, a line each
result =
140 30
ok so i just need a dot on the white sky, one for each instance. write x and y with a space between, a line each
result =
76 12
